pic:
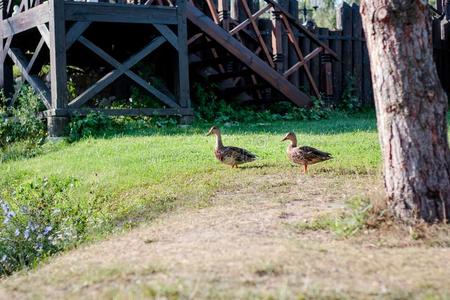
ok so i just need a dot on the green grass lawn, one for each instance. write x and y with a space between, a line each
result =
136 175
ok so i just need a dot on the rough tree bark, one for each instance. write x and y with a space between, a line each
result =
411 108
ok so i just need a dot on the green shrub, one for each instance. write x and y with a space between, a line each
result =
91 125
209 108
21 122
38 220
349 100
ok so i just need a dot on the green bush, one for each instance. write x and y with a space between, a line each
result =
91 125
209 108
21 123
38 220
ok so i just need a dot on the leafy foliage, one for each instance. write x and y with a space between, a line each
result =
209 108
38 220
88 126
350 102
21 122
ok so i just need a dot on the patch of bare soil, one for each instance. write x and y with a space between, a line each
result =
245 246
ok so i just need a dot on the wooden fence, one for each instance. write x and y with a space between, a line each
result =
353 68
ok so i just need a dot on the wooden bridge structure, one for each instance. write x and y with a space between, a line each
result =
223 44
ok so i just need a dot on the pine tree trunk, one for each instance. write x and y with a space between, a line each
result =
411 108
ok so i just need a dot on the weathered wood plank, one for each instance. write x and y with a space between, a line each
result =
43 30
183 90
120 13
36 53
24 21
344 22
168 34
246 56
75 32
58 60
336 45
6 66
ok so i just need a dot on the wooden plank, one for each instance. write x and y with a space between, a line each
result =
58 59
168 34
43 30
6 65
246 56
292 56
344 22
304 83
132 112
244 24
120 13
357 51
35 82
75 32
314 66
336 45
25 21
36 53
183 57
326 80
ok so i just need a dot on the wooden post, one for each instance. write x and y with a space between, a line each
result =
183 64
292 56
224 13
6 71
357 52
58 70
344 23
326 74
336 45
277 40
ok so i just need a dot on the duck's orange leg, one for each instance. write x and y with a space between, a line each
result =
306 168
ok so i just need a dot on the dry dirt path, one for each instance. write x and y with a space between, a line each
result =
245 246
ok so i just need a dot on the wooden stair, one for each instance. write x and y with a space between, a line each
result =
245 56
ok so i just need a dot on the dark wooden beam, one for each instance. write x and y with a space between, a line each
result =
120 13
75 32
246 56
58 60
24 21
6 66
183 91
168 34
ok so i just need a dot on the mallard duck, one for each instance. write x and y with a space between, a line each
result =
304 155
232 156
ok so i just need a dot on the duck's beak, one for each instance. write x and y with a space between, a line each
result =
285 138
209 133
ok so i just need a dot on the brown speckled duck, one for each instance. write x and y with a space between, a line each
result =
304 155
232 156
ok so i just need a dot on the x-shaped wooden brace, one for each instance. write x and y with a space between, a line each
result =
124 68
